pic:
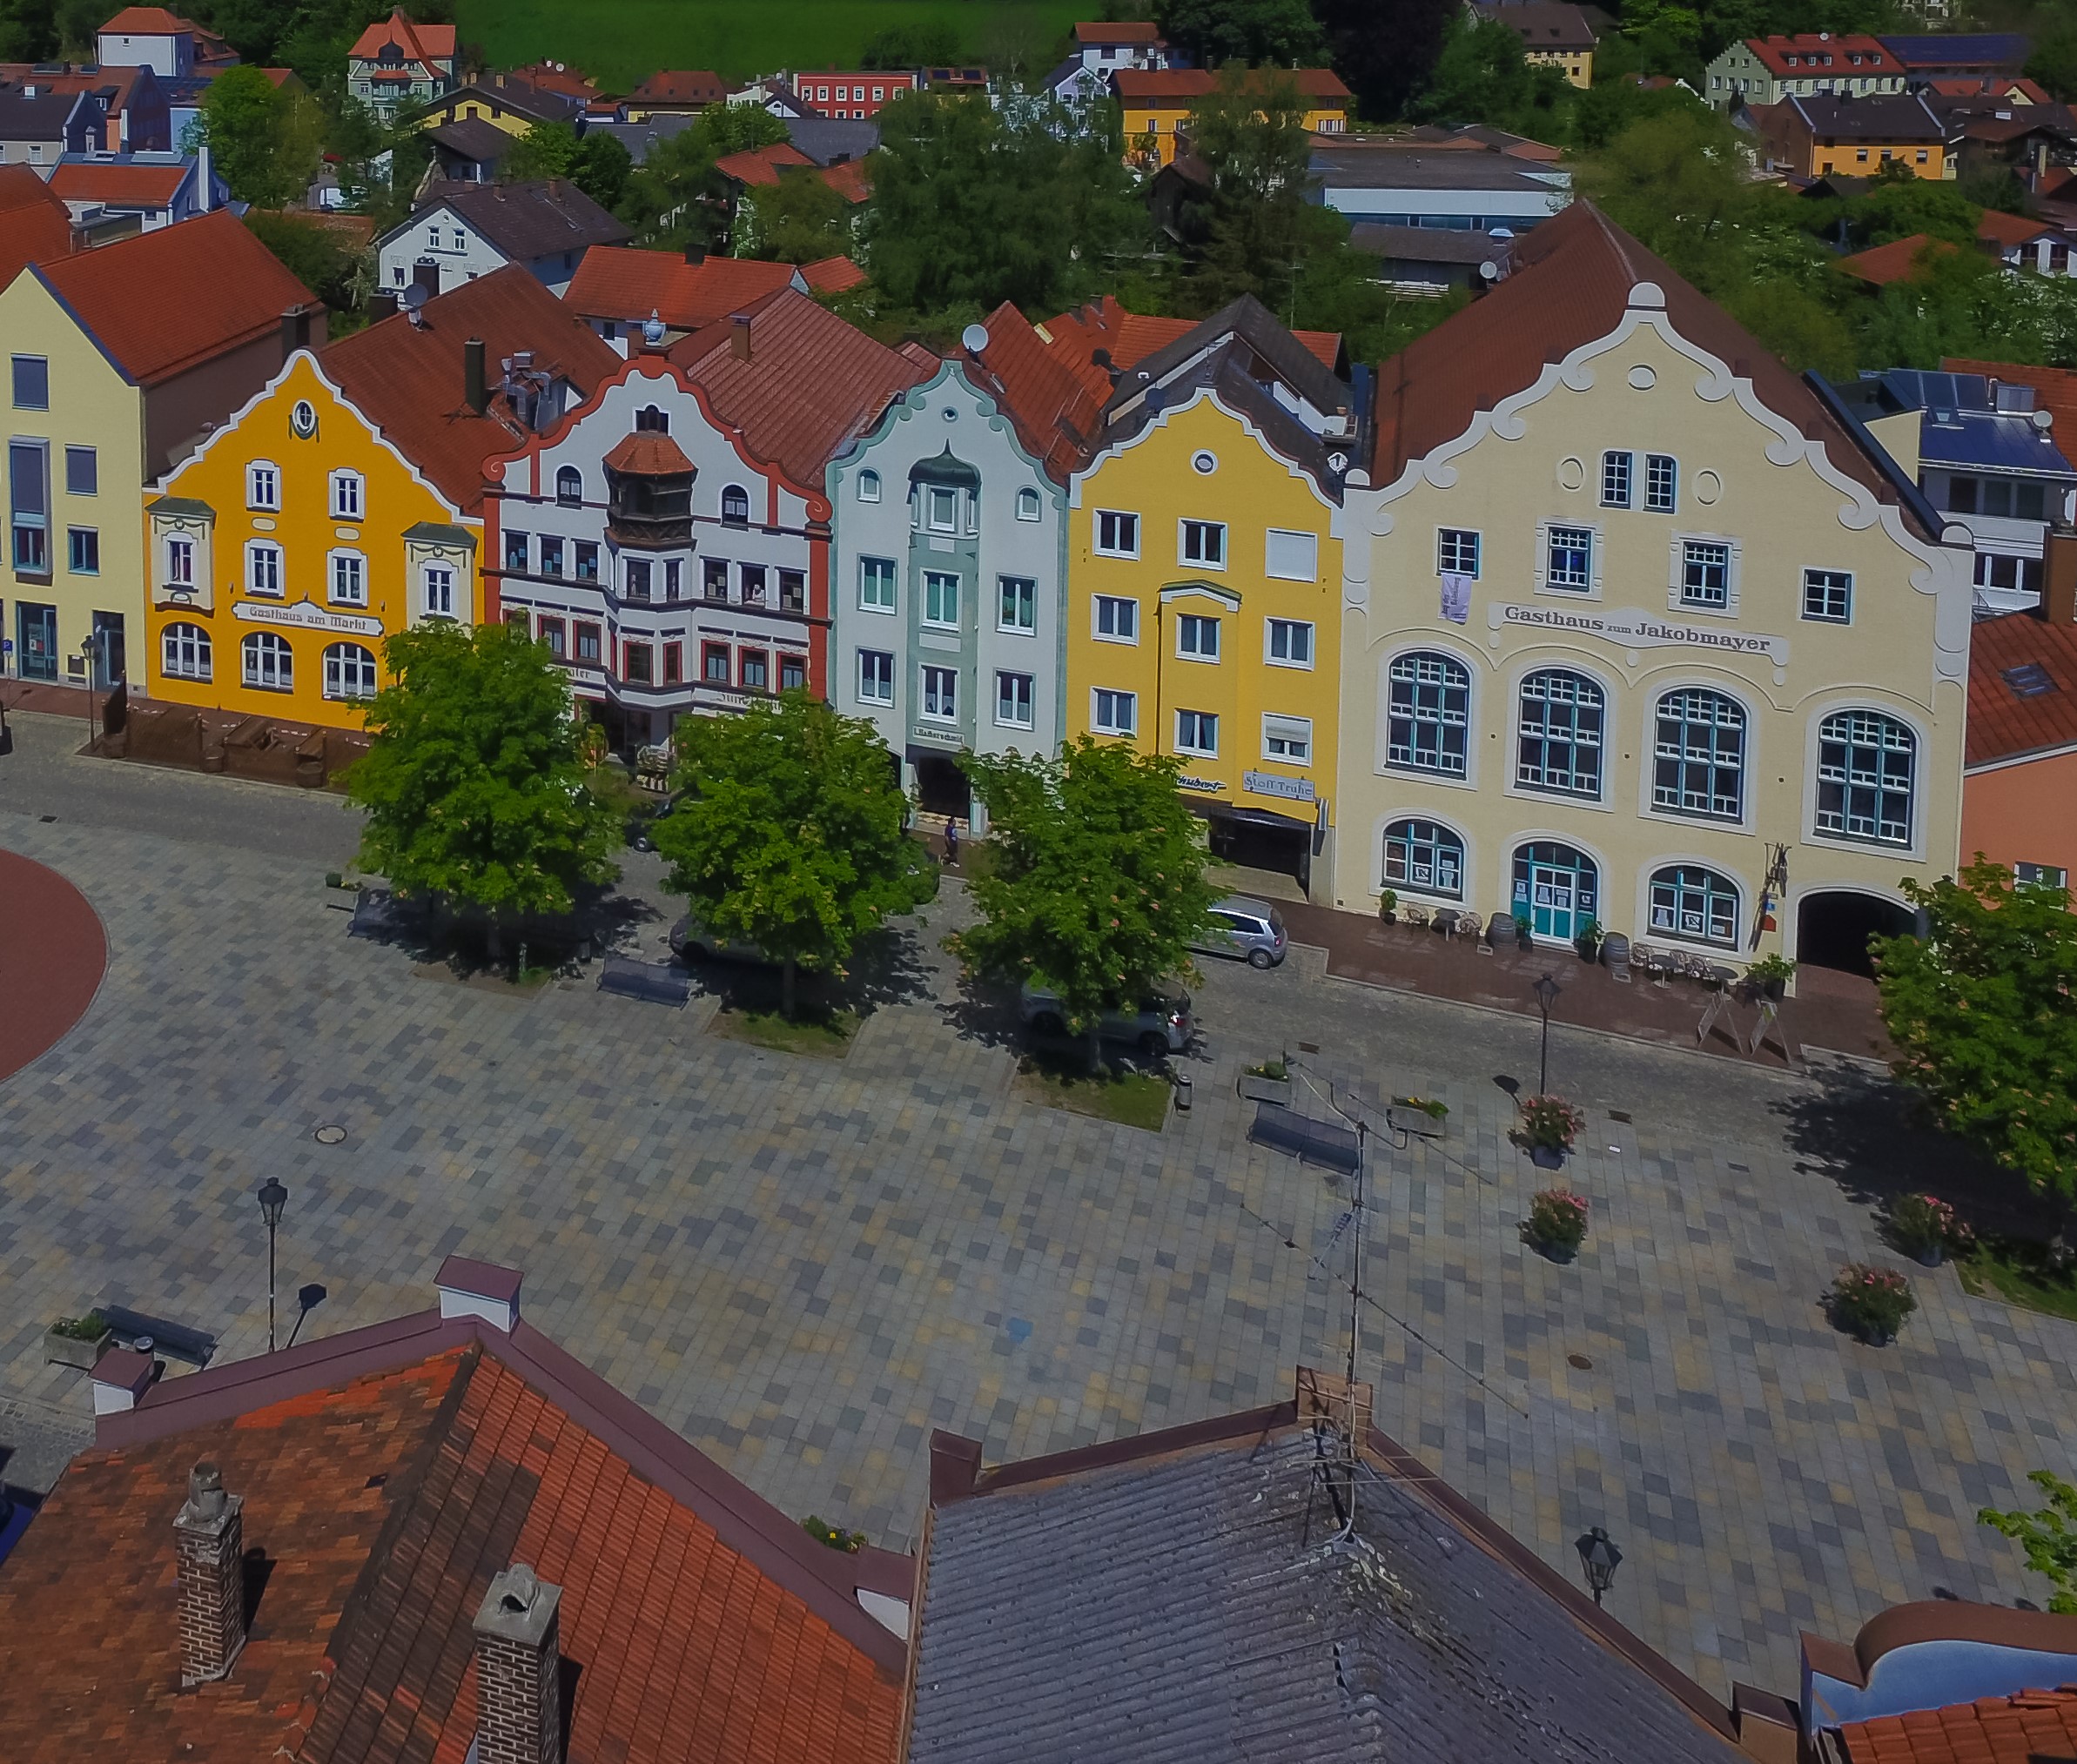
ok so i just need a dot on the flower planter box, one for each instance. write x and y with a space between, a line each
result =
1547 1156
1261 1090
1931 1255
72 1351
1557 1252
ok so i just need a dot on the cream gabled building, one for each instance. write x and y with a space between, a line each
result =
1628 605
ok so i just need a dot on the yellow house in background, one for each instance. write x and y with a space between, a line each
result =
1204 572
286 550
1157 102
1553 33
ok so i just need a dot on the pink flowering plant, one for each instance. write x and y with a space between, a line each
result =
1558 1216
1871 1301
1925 1222
1550 1123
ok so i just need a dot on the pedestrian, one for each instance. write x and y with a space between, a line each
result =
951 843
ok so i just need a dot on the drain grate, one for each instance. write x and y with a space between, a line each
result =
330 1136
1622 1115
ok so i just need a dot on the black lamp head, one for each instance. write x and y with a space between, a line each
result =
1600 1559
273 1198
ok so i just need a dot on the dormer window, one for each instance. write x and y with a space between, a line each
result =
735 506
651 420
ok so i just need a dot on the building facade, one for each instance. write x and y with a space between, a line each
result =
949 558
1157 102
1766 70
1553 34
2019 805
1637 634
1825 136
397 63
854 96
469 231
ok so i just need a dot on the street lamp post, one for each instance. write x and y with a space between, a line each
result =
1547 990
87 646
273 1198
1600 1559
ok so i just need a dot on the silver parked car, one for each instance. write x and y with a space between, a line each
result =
691 941
1161 1025
1250 931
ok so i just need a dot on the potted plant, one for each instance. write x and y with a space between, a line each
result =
1872 1302
1524 932
1387 904
1431 1112
1927 1227
1586 940
1549 1126
1556 1224
77 1341
1267 1083
1769 977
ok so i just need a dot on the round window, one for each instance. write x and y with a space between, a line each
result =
304 419
1205 464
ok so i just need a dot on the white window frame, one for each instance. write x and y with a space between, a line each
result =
1189 625
427 575
1293 731
1195 746
180 561
1269 560
271 549
890 578
1270 628
1669 504
1675 582
933 583
1028 505
1007 678
881 674
944 697
347 495
869 485
1444 535
263 486
1027 603
1129 701
335 666
270 643
1595 554
1126 520
185 651
335 570
1188 533
1097 603
1629 471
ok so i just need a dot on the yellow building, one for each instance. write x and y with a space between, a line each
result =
1203 582
1553 33
1156 102
1827 136
117 360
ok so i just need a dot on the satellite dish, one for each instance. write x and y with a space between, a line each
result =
414 297
1152 398
975 338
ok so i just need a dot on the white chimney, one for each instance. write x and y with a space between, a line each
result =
205 197
478 1289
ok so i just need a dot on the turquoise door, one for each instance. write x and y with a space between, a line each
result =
1556 889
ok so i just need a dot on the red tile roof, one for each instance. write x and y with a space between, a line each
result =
387 1474
147 21
424 44
626 283
2000 229
1571 286
1123 30
761 164
2055 389
848 179
685 86
831 276
129 185
1180 85
1774 51
406 377
1043 376
34 223
2031 1727
1131 337
213 286
811 384
1900 260
2004 722
648 454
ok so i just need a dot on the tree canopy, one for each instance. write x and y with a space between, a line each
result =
798 220
2049 1537
1095 885
789 835
473 783
1273 33
674 197
1482 76
1984 1012
267 142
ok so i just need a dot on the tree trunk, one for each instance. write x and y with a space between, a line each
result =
493 940
1096 1051
786 990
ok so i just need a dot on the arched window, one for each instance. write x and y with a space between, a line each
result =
869 487
185 655
1428 725
1699 760
1559 748
349 671
1557 888
569 485
735 506
651 418
1694 904
268 661
1027 505
1866 762
1428 858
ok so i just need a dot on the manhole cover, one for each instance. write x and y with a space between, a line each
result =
1579 1363
330 1136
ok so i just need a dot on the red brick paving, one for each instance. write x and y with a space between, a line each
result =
1831 1010
52 954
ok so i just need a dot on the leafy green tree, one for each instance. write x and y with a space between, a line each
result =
1899 204
1095 887
1983 1011
1384 49
921 44
1274 33
674 197
547 150
2054 62
267 142
798 220
1483 76
313 254
790 834
28 30
78 23
603 168
2049 1535
473 784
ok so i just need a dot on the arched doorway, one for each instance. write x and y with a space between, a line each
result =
1556 888
1833 926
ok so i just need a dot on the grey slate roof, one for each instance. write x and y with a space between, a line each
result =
1338 167
1190 1608
1429 245
526 221
830 140
474 138
1884 116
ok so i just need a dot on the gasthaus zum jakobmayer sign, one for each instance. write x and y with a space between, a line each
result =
1635 628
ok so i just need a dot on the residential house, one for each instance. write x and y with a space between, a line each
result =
671 541
678 93
2025 247
1986 54
1347 1604
397 65
775 94
467 230
34 223
1639 623
134 111
762 168
618 289
1156 102
573 1580
172 47
112 195
1098 51
971 80
1204 620
1468 187
1769 70
948 569
854 96
832 275
39 126
2018 787
1986 456
106 390
1986 138
513 104
1553 34
1434 260
343 503
1816 137
469 151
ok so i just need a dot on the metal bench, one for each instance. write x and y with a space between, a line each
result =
196 1346
1326 1143
654 983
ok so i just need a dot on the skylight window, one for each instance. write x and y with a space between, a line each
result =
2028 679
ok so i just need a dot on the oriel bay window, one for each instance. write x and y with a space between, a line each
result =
552 634
940 598
585 636
941 693
638 664
648 492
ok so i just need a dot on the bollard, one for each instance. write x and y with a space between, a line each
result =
1182 1093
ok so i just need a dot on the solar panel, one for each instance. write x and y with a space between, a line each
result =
2028 679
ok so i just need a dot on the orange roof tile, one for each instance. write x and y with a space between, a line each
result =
1132 337
627 283
2030 1728
1124 31
848 179
148 21
2055 389
406 377
34 223
648 454
1774 51
681 86
112 181
1900 260
831 276
213 286
1182 86
2003 720
424 44
1998 228
1053 392
761 164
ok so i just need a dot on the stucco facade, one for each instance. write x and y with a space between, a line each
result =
286 551
1686 637
948 556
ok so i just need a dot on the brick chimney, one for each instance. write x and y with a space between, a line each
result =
519 1671
2059 600
209 1549
739 336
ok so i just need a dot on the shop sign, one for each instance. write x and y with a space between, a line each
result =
1635 628
1269 784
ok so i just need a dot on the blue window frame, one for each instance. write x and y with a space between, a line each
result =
1699 760
1865 768
1559 733
1428 719
1426 857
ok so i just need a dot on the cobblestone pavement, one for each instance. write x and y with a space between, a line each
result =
805 1264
